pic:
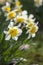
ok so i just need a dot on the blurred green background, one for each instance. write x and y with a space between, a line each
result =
35 54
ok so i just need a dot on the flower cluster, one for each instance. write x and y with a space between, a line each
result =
19 19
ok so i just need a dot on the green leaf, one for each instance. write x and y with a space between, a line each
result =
1 37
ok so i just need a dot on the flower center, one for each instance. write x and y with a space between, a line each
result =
7 9
28 19
19 10
33 30
30 25
18 3
13 32
20 19
12 15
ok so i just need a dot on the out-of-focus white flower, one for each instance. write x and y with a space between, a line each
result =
38 3
21 18
6 8
18 4
24 47
11 15
32 31
22 59
13 32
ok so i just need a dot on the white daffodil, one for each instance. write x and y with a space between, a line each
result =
32 31
13 32
38 3
6 8
31 18
18 4
30 25
11 15
30 21
21 18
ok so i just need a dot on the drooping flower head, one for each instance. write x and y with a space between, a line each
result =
32 31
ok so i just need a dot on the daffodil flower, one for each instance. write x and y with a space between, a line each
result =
18 4
13 32
11 15
32 31
6 8
30 21
21 18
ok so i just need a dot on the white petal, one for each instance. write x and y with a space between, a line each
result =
7 4
7 37
25 17
11 24
29 36
33 35
36 27
5 14
6 32
20 32
31 16
24 12
19 25
37 23
3 8
24 60
15 38
7 19
33 19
